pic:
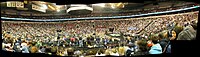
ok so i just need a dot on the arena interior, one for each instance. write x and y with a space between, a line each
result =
100 29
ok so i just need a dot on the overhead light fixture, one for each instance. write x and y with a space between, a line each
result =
58 6
78 5
113 7
100 4
42 2
51 7
58 10
25 2
119 4
44 6
79 8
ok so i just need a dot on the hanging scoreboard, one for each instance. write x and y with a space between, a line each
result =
15 4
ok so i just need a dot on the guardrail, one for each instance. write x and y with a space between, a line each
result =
92 18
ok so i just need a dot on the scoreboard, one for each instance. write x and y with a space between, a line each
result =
17 4
22 5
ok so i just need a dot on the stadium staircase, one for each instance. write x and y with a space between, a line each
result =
149 24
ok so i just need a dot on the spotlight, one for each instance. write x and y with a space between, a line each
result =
100 4
58 10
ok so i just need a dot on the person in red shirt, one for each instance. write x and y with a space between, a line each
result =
72 40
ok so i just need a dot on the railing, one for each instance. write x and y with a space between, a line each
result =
145 27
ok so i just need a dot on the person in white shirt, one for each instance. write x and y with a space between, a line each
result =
24 47
23 44
65 52
78 52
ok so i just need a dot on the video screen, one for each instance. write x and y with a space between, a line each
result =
100 29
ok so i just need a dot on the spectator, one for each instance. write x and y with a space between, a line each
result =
42 49
54 50
17 47
33 49
100 52
194 25
78 53
188 33
163 41
156 48
142 48
178 28
121 51
114 52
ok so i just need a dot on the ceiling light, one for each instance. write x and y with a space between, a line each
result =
58 10
113 6
78 5
119 4
25 2
100 4
58 6
51 7
42 2
44 6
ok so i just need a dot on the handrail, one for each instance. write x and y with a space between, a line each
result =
145 27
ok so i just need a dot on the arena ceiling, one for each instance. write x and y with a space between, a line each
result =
55 8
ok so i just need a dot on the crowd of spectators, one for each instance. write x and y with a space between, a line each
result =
161 22
83 38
